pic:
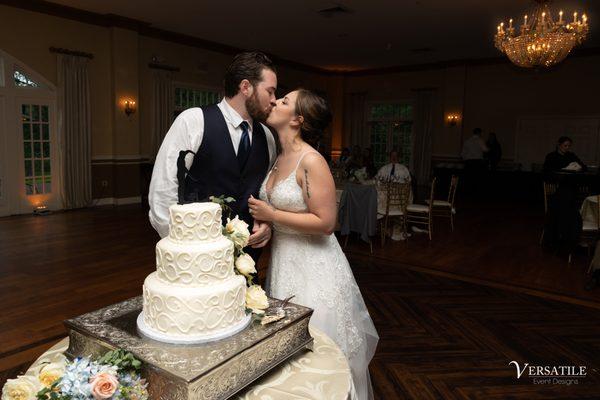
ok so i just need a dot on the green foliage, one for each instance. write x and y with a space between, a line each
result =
51 393
223 202
121 359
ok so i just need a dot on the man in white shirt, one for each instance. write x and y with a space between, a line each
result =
472 153
474 147
394 171
233 149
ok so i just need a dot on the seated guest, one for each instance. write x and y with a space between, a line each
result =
563 158
355 161
368 163
394 171
344 157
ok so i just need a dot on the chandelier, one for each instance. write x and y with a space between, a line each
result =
541 41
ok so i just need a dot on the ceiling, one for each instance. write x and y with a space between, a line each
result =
371 34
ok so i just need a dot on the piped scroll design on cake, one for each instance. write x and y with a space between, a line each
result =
174 316
193 226
200 269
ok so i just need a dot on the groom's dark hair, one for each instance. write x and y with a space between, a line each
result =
248 65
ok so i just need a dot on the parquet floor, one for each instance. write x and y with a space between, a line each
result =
441 338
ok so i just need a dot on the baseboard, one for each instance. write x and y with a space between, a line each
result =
119 201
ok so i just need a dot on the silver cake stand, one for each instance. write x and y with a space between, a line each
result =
206 371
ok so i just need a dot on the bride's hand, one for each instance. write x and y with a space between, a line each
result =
260 210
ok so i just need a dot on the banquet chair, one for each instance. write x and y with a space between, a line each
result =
420 214
396 201
445 208
549 190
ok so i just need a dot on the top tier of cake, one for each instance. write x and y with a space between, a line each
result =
195 222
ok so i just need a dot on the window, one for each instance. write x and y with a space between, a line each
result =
23 80
35 124
188 97
390 127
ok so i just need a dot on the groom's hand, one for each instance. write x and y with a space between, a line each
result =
261 233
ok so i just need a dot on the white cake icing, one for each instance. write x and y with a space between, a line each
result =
194 295
194 264
195 222
193 310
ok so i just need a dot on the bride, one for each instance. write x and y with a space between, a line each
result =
298 198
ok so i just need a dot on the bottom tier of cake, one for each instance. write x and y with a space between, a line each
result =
190 314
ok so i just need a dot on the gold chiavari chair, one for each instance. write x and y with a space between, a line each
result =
445 208
396 196
420 214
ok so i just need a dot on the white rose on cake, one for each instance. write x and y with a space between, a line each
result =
238 232
256 299
245 265
22 388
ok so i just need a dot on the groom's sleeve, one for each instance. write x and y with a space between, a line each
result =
185 134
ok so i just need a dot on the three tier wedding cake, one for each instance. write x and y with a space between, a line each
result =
194 295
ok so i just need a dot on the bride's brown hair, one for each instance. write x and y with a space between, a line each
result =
315 113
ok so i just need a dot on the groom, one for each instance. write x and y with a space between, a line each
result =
233 149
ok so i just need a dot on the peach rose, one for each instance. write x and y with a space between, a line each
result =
104 385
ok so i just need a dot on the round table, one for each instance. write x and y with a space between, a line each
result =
318 375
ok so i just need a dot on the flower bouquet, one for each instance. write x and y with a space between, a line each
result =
114 376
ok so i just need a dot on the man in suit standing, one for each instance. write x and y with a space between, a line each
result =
233 149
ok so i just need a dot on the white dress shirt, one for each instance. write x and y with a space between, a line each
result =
401 173
473 148
186 133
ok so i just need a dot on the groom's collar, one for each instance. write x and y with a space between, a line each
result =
232 116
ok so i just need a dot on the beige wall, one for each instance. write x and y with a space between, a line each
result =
28 35
492 97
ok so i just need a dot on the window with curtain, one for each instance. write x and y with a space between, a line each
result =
186 97
390 127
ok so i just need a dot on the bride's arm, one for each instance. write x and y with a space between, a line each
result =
318 189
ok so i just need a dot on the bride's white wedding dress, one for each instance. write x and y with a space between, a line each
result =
315 270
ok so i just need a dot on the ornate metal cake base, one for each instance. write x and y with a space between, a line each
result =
208 371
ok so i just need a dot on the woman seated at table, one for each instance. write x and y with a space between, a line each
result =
562 158
394 171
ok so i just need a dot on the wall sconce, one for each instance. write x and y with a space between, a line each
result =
129 107
453 119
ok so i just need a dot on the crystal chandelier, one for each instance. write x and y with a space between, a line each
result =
541 42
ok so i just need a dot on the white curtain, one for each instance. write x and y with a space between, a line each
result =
355 119
422 142
162 108
75 130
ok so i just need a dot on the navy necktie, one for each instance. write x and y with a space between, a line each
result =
244 147
393 171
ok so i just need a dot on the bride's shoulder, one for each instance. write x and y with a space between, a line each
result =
313 159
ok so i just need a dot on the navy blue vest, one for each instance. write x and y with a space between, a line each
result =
215 170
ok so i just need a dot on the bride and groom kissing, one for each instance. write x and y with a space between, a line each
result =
286 197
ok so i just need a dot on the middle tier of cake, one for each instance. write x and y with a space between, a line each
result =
194 264
178 311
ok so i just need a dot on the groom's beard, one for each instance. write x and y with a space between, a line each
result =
254 109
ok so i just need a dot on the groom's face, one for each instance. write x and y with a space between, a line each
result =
262 100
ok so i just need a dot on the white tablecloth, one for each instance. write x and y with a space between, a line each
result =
318 375
589 210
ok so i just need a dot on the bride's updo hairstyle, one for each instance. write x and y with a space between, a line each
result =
315 112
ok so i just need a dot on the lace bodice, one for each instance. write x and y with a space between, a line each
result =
285 195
